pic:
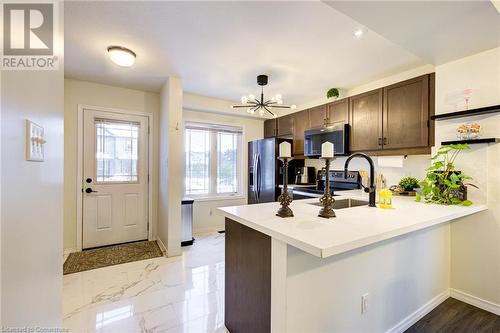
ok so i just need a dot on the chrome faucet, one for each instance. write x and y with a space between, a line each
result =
371 188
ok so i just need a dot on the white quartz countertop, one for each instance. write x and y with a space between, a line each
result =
352 228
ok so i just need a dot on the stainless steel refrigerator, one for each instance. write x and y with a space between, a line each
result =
265 170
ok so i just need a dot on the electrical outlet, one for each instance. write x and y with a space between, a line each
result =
364 303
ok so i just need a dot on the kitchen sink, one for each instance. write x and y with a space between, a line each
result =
344 203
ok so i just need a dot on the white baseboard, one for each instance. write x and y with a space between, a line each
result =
406 323
475 301
162 246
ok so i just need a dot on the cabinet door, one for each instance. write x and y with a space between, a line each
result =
365 118
270 128
300 124
317 116
406 114
338 111
285 125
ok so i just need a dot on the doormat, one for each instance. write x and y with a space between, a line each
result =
111 255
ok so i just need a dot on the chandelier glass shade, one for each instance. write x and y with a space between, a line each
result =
262 105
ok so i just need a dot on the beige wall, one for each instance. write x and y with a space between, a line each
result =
206 218
475 241
32 197
90 93
171 170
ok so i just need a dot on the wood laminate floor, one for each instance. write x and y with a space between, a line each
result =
456 316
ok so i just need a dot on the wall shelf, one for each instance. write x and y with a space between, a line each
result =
467 113
472 141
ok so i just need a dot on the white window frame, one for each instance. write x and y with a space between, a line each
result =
213 162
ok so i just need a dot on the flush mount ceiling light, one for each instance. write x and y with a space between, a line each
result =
121 56
261 105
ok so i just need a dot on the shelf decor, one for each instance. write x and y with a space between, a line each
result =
443 183
333 93
469 131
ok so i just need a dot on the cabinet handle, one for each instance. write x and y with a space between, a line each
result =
380 141
385 141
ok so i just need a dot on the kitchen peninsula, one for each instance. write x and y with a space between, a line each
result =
368 269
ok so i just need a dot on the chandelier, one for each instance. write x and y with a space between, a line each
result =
252 104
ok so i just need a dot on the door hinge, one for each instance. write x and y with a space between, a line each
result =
428 123
149 129
148 178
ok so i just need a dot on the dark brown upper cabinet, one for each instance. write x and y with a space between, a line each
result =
300 124
285 125
365 118
338 111
406 114
317 116
389 120
270 128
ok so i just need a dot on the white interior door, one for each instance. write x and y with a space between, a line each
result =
115 178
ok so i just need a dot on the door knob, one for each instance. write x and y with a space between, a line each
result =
89 190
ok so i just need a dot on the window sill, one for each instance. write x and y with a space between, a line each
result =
221 198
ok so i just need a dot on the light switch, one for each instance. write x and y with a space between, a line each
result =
34 142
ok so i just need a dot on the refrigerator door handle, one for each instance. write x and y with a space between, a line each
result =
259 178
254 187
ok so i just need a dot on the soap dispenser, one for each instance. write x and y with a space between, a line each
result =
385 199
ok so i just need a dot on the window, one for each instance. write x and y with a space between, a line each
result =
213 160
116 155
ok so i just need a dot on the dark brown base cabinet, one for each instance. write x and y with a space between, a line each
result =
393 120
247 303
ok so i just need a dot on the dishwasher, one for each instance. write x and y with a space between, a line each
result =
187 221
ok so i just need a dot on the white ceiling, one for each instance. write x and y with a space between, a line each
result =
436 31
218 48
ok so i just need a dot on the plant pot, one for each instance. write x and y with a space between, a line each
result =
459 193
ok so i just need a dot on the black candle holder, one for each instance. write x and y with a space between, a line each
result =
327 199
285 199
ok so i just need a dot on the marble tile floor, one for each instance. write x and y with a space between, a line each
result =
182 294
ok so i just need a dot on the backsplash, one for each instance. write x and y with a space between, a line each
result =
414 165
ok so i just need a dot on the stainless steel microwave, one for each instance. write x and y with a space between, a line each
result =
338 134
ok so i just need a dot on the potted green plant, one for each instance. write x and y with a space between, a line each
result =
408 183
332 93
443 183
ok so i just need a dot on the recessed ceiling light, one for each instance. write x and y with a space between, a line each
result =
358 33
121 56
